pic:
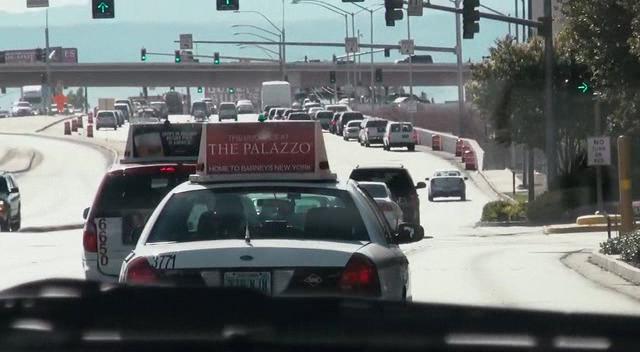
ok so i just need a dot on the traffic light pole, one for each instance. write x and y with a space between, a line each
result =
47 101
459 66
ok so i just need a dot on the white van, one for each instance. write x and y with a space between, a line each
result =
276 93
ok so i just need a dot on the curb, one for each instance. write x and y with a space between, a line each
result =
618 267
113 159
55 123
40 229
28 167
502 223
572 228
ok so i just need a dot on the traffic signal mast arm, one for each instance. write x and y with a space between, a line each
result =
491 16
149 53
325 44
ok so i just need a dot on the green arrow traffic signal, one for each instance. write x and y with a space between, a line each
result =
103 7
583 87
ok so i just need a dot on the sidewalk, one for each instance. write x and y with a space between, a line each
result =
502 182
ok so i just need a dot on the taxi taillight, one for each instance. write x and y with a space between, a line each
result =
90 237
140 272
167 170
360 277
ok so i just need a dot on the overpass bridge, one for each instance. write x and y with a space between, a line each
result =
301 75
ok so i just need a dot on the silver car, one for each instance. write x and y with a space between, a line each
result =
447 186
351 130
106 118
382 196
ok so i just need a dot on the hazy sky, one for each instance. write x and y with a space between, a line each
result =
268 7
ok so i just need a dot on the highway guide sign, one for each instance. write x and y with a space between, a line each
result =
598 151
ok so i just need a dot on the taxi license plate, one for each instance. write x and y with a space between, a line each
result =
260 281
405 136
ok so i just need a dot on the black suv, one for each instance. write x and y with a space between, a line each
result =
403 190
9 203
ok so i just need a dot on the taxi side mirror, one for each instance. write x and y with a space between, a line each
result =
409 233
85 213
466 178
421 185
14 190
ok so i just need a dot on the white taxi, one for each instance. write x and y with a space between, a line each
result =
265 212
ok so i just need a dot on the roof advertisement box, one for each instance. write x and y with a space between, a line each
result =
163 143
290 151
252 148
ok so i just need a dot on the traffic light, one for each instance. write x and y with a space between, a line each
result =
228 5
470 18
378 75
387 52
335 58
103 9
178 57
3 90
393 11
173 89
231 91
143 54
39 55
332 76
216 58
199 89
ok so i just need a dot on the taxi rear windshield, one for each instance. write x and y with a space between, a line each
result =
324 115
133 197
260 213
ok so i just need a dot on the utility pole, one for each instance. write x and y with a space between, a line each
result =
284 48
598 131
550 142
372 81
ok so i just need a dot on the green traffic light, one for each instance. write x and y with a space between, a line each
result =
583 87
103 7
199 89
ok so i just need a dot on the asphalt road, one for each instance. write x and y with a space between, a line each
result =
460 264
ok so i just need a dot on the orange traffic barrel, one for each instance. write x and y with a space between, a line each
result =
90 131
459 145
436 142
470 160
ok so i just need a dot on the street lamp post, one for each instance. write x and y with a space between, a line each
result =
338 11
283 54
278 35
372 82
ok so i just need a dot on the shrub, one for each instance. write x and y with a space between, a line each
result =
502 210
555 206
627 246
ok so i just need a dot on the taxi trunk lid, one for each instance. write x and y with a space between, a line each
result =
272 266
